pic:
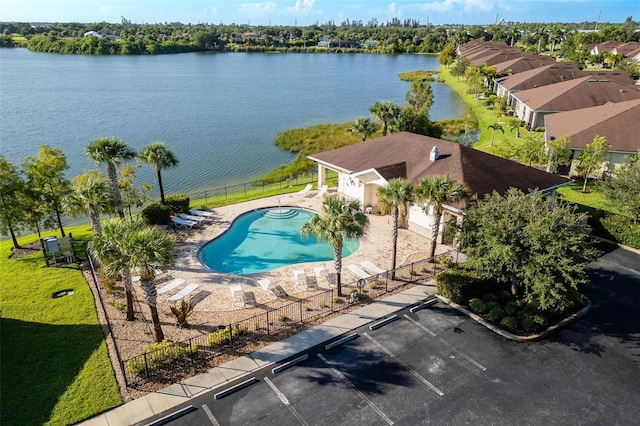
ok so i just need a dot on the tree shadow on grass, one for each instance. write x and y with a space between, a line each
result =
39 364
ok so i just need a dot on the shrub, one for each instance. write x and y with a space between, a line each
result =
308 307
219 337
503 296
159 355
490 297
511 309
337 299
496 314
283 318
118 305
509 323
623 229
493 305
178 203
240 330
477 306
446 261
156 214
532 323
182 313
256 326
373 284
456 285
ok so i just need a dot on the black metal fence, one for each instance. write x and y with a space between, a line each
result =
170 360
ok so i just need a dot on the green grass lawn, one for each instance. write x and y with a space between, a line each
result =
593 198
55 368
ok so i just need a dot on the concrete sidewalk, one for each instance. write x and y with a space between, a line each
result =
156 402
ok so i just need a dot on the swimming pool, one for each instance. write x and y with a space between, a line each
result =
266 239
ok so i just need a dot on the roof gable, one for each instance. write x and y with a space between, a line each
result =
618 122
482 173
543 76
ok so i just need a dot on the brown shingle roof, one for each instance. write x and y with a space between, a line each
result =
482 173
576 94
618 122
543 76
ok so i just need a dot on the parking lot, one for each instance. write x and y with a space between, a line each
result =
436 366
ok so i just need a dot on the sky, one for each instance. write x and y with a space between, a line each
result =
308 12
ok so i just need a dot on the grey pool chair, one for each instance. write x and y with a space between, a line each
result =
358 271
372 267
183 223
170 286
183 293
206 214
306 189
264 284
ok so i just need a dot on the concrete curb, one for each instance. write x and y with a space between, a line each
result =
532 338
622 246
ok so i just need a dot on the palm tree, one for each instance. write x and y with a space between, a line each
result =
494 127
150 249
436 192
364 127
157 154
385 111
91 195
338 219
396 198
108 249
111 151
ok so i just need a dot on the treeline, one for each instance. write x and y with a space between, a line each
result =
393 37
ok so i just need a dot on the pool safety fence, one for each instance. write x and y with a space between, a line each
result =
175 360
275 186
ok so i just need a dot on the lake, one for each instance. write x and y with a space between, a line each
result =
219 112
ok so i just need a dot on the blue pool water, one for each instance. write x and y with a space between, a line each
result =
266 239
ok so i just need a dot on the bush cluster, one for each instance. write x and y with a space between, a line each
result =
461 285
512 315
156 214
623 229
178 203
223 336
159 355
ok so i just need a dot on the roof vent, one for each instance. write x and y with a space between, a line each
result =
434 154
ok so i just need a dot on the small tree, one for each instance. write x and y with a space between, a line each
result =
12 190
448 54
385 111
527 241
91 195
436 192
46 180
132 196
338 219
558 153
592 158
623 190
531 150
160 157
363 127
396 198
494 127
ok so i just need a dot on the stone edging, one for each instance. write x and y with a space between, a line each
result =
532 338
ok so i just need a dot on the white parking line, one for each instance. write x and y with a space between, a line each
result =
453 348
285 401
411 370
209 414
352 386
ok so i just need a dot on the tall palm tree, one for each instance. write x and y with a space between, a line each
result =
396 198
91 195
494 127
338 219
364 127
385 111
150 249
111 152
160 157
436 192
108 248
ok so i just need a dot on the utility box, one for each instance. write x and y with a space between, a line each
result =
51 244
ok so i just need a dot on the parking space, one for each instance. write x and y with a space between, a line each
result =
437 366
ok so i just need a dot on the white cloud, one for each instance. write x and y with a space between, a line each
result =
302 7
257 8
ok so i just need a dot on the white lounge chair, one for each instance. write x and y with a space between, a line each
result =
358 271
372 267
183 293
198 219
183 223
320 271
171 285
323 190
299 277
235 289
306 189
202 213
264 284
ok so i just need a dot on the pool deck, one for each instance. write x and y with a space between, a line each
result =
214 289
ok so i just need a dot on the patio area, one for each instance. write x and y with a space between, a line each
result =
214 289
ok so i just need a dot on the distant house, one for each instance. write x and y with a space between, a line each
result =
618 122
607 46
531 106
626 49
363 168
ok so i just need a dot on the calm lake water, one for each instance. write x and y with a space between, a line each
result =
219 112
